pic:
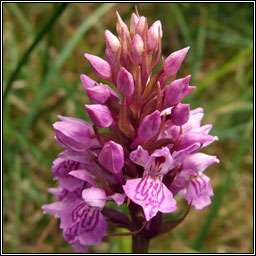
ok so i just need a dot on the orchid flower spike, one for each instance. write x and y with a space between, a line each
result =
140 148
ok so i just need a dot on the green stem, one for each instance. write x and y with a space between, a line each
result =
140 243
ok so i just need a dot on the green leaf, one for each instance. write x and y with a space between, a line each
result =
169 225
21 18
222 191
30 49
223 70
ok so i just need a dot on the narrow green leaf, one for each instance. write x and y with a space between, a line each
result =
35 42
21 18
177 13
184 28
201 38
16 173
222 191
169 225
223 70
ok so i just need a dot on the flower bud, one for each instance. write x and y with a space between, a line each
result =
121 26
155 34
136 50
98 94
176 91
113 96
109 57
125 82
112 42
133 23
100 67
174 61
112 157
87 81
100 115
74 135
148 128
141 26
180 114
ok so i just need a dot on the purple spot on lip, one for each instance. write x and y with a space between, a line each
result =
159 160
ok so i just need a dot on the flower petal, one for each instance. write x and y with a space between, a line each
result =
84 175
161 161
95 197
79 247
199 191
151 195
118 198
73 135
199 161
139 156
169 203
194 120
82 222
179 156
61 168
54 209
188 139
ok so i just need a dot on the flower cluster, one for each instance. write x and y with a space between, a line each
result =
150 152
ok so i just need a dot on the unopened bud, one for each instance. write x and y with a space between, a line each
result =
174 61
112 157
180 114
136 50
112 42
176 91
125 82
141 26
133 23
100 67
155 34
100 115
98 94
87 81
121 26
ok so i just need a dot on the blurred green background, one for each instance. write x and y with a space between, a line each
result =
43 50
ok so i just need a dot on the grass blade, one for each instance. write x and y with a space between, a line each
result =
17 203
177 13
200 42
242 55
35 42
222 190
21 18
